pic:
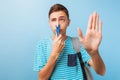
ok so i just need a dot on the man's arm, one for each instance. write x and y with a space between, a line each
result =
91 42
46 72
57 47
97 63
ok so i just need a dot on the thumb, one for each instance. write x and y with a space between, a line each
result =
80 34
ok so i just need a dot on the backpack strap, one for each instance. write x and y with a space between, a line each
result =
76 46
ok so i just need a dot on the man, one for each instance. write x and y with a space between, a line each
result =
51 59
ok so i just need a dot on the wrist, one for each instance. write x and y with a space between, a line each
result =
92 53
54 55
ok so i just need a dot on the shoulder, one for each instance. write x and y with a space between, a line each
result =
43 41
75 38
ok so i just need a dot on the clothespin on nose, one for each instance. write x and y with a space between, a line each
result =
57 29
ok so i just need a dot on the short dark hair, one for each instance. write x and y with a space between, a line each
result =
58 7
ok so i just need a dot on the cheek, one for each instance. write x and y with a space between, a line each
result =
64 26
52 26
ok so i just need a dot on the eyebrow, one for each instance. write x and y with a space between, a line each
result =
59 17
62 17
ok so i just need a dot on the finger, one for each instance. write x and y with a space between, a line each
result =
96 22
100 26
80 34
62 47
93 22
90 22
57 38
60 43
63 38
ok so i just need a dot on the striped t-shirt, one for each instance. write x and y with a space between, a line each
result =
62 70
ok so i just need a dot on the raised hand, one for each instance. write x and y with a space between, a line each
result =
93 37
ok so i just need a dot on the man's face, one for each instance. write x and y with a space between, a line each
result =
60 18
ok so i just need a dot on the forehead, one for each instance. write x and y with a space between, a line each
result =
58 14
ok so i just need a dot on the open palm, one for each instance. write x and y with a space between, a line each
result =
93 37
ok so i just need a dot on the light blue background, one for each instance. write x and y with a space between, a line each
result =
24 22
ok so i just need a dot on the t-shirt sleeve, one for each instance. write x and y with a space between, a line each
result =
85 56
39 57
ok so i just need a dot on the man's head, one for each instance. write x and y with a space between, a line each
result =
58 7
58 14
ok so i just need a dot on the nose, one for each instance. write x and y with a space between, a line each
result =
57 22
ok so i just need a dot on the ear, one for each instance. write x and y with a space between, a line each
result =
68 22
49 21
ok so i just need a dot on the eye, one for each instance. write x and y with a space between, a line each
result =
62 19
53 19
